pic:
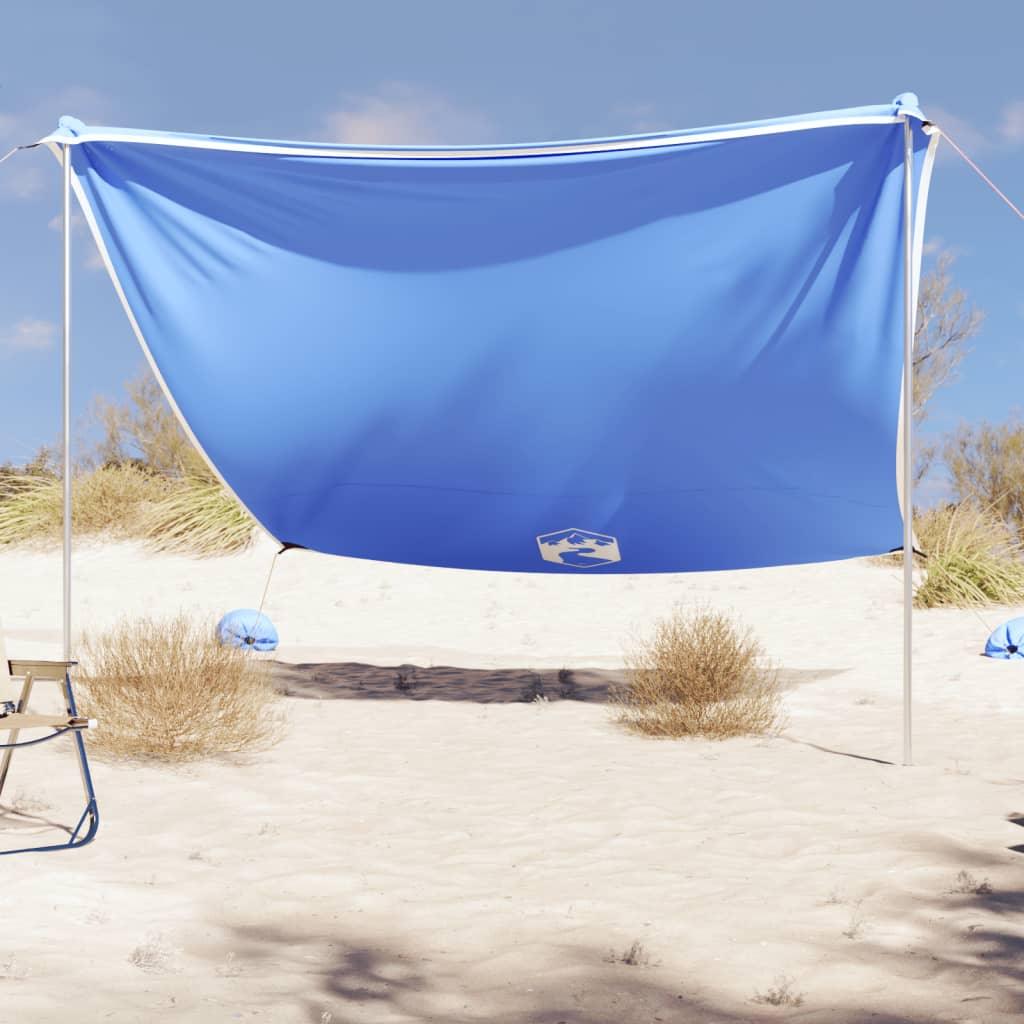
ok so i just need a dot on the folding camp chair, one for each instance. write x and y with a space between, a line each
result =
15 716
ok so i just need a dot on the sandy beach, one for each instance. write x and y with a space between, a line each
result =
447 852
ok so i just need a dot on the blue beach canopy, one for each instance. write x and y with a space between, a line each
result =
650 354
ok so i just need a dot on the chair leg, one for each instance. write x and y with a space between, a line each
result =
12 735
91 810
89 820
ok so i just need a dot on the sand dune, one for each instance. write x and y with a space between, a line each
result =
441 851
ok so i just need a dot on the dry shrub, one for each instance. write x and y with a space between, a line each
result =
986 466
973 558
946 322
199 516
699 675
166 689
111 500
143 429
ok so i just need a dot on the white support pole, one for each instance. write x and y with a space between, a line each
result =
66 594
908 422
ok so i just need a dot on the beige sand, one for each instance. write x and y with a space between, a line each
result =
450 854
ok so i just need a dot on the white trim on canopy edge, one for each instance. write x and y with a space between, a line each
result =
341 152
917 254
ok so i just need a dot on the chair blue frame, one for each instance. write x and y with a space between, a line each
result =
31 672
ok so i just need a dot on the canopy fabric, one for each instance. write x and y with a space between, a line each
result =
652 354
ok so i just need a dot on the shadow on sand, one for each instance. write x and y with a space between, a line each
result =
359 982
20 828
355 681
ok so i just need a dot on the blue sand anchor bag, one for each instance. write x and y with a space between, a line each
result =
246 627
1007 641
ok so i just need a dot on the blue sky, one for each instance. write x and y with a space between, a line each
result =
456 71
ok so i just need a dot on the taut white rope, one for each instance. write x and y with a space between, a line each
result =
981 174
30 145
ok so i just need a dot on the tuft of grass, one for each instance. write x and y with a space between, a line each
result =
111 500
834 898
198 516
12 970
699 675
231 968
153 956
967 885
780 994
974 558
855 927
167 690
634 955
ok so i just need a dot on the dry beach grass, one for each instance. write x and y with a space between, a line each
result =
192 513
198 516
973 558
111 500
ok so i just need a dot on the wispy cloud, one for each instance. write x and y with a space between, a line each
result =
28 335
972 139
936 245
402 114
1011 126
1006 133
57 223
83 240
27 175
638 117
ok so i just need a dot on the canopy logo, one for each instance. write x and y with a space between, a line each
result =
578 548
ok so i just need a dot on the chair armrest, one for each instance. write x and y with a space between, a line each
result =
39 669
18 720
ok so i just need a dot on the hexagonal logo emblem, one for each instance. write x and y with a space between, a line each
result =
580 549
